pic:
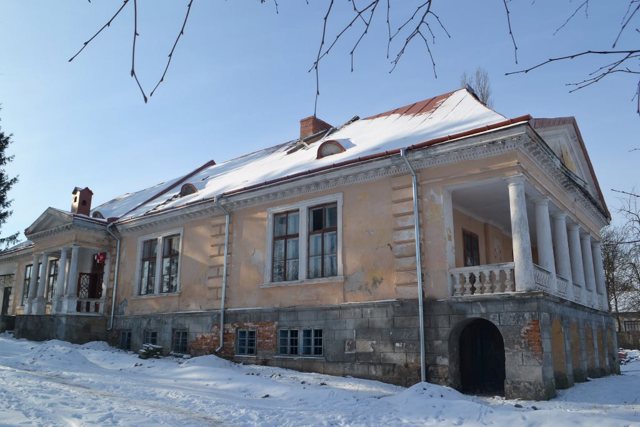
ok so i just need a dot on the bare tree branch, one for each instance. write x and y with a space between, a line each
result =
108 24
173 48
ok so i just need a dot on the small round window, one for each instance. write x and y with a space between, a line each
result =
328 148
187 189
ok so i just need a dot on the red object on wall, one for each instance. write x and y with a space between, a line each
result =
100 257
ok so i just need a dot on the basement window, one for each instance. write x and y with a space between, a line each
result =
291 344
125 339
149 337
180 341
246 342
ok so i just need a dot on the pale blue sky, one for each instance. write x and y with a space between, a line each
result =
239 82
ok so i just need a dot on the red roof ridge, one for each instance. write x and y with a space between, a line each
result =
418 107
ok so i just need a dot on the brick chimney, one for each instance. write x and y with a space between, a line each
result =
312 125
81 201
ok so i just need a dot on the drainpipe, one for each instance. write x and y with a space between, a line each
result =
115 279
416 220
227 216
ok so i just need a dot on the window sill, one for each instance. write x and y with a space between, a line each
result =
318 281
298 357
148 296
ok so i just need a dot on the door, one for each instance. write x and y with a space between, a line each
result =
6 296
482 358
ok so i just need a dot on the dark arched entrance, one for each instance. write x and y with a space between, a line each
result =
481 358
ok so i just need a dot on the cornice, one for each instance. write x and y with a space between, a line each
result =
537 152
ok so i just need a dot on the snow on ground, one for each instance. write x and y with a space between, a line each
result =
57 383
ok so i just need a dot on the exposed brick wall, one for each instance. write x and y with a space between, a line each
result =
533 339
266 338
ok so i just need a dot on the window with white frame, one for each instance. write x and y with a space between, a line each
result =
304 240
159 264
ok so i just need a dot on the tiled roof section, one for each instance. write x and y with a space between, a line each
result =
421 107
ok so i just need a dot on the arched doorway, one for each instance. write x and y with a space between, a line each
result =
481 350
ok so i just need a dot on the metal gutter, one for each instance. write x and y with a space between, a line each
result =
115 278
416 220
227 216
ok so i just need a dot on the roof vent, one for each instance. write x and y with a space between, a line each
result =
187 189
330 147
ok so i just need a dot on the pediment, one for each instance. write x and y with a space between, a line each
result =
563 136
50 219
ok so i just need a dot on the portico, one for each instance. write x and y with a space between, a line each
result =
552 250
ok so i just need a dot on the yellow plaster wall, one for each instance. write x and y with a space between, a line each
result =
495 246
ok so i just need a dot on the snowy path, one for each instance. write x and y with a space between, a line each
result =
57 383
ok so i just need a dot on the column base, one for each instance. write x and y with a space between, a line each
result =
56 305
38 306
69 305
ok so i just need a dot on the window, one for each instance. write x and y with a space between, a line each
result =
289 342
312 342
170 255
304 241
159 264
323 241
179 342
245 342
148 267
149 337
471 247
631 325
125 339
28 270
52 277
285 246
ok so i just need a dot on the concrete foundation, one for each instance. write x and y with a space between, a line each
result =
72 328
7 323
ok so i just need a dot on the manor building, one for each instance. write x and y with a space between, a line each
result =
439 241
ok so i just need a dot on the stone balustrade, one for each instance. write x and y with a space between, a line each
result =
483 279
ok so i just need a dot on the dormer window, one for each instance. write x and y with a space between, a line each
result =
328 148
97 214
187 189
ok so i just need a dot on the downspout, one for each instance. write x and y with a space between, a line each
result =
416 220
115 279
227 216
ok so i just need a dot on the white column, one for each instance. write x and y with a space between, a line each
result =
105 281
71 294
543 234
522 257
598 266
33 285
561 252
58 293
40 303
575 251
587 262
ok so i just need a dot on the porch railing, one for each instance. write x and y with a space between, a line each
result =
499 278
483 279
86 305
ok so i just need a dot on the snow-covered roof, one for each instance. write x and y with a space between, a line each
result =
437 117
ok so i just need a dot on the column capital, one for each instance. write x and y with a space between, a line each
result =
541 201
572 226
516 180
559 215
